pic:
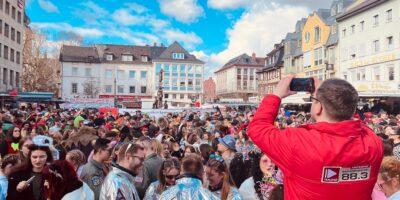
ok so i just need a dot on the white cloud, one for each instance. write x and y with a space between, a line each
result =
186 11
228 4
124 17
257 30
47 6
90 12
201 55
84 32
137 8
189 40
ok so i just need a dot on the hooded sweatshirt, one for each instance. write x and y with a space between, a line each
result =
320 161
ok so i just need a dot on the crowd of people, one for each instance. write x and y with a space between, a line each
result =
86 154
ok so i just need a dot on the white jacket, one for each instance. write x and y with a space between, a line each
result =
247 190
83 193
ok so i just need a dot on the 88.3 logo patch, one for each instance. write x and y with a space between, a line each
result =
340 174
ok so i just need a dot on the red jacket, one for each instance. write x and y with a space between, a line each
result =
328 161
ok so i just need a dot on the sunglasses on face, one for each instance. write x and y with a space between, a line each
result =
171 177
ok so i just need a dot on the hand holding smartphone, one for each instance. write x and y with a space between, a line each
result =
302 85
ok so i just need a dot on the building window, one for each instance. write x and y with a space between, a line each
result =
317 34
318 56
109 57
12 55
391 73
7 8
74 71
13 12
182 83
120 89
377 75
376 21
109 73
143 74
17 79
344 32
198 69
19 17
362 72
5 54
18 59
362 23
182 96
307 37
1 4
74 88
88 72
1 26
12 34
389 41
143 89
145 59
6 29
174 96
132 74
179 56
18 37
182 70
108 88
353 29
127 58
375 46
120 74
5 76
132 89
190 82
389 15
345 76
11 77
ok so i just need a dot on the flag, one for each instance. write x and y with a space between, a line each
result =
21 4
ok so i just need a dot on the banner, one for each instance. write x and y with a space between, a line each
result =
164 112
76 103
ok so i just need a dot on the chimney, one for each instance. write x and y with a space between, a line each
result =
253 56
155 44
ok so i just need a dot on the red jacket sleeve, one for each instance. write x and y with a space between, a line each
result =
276 144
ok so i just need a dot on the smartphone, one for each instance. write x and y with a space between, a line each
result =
302 85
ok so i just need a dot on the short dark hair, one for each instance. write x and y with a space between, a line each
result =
339 98
101 143
192 164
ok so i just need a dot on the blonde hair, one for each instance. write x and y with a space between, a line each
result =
157 147
390 168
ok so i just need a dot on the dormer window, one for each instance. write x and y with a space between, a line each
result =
90 58
109 57
145 59
178 56
127 58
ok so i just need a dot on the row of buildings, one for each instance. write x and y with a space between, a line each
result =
12 24
127 73
354 40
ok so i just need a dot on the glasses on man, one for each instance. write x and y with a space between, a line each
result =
313 99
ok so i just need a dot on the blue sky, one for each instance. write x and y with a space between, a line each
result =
213 30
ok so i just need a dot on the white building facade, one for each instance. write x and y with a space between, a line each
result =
369 44
12 26
128 73
237 79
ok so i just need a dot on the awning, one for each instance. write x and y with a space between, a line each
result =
299 98
375 94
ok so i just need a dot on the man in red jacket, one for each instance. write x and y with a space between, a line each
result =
334 158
